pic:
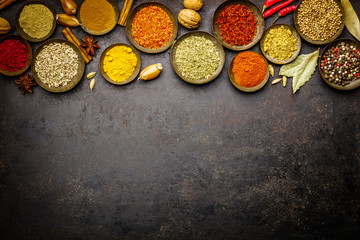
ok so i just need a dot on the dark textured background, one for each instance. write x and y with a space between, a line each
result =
168 160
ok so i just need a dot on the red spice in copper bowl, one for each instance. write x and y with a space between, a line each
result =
15 55
238 24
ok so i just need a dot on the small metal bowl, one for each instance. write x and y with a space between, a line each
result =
353 84
320 42
28 46
105 31
130 20
76 79
298 44
24 34
248 89
258 15
217 45
135 72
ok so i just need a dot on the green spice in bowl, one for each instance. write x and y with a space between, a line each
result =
197 57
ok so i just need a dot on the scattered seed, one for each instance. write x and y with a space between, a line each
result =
276 81
91 75
92 84
284 79
271 70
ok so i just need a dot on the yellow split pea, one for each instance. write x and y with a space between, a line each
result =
120 63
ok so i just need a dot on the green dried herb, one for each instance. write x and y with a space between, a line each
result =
197 58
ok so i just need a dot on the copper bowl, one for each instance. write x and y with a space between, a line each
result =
28 46
258 15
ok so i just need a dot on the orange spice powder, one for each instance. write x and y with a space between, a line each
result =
249 69
152 27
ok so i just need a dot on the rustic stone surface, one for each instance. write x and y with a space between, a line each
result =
168 160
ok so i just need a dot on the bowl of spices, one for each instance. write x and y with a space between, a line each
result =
238 24
35 21
339 64
280 44
249 71
120 63
58 65
319 21
98 17
151 27
197 57
15 55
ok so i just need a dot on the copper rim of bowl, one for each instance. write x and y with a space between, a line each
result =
76 79
298 44
24 34
216 44
320 42
131 19
248 89
29 49
353 84
258 15
105 31
133 75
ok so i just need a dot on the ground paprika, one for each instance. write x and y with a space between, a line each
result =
13 55
249 69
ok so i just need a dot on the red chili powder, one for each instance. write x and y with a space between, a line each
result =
13 55
237 24
152 27
249 69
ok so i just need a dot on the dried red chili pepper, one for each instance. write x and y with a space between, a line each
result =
273 10
237 24
152 27
269 3
13 55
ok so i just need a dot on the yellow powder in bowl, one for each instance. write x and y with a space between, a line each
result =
97 15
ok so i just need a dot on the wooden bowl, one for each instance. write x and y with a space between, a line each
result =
130 20
320 42
28 46
298 44
105 31
258 15
353 84
248 89
217 45
76 79
135 72
24 34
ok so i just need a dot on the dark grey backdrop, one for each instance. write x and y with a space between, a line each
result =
168 160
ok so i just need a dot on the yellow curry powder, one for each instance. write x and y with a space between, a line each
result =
97 15
120 63
280 43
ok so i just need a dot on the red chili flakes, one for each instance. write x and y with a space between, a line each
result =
152 27
237 24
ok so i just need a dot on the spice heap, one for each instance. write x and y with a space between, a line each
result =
97 15
120 63
237 24
280 43
13 55
152 27
56 64
249 69
341 64
319 19
36 20
197 58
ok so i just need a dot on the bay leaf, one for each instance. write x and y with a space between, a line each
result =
301 69
352 22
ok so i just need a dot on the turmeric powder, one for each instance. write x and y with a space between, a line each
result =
97 15
120 63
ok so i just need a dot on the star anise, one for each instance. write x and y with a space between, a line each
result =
90 45
25 83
